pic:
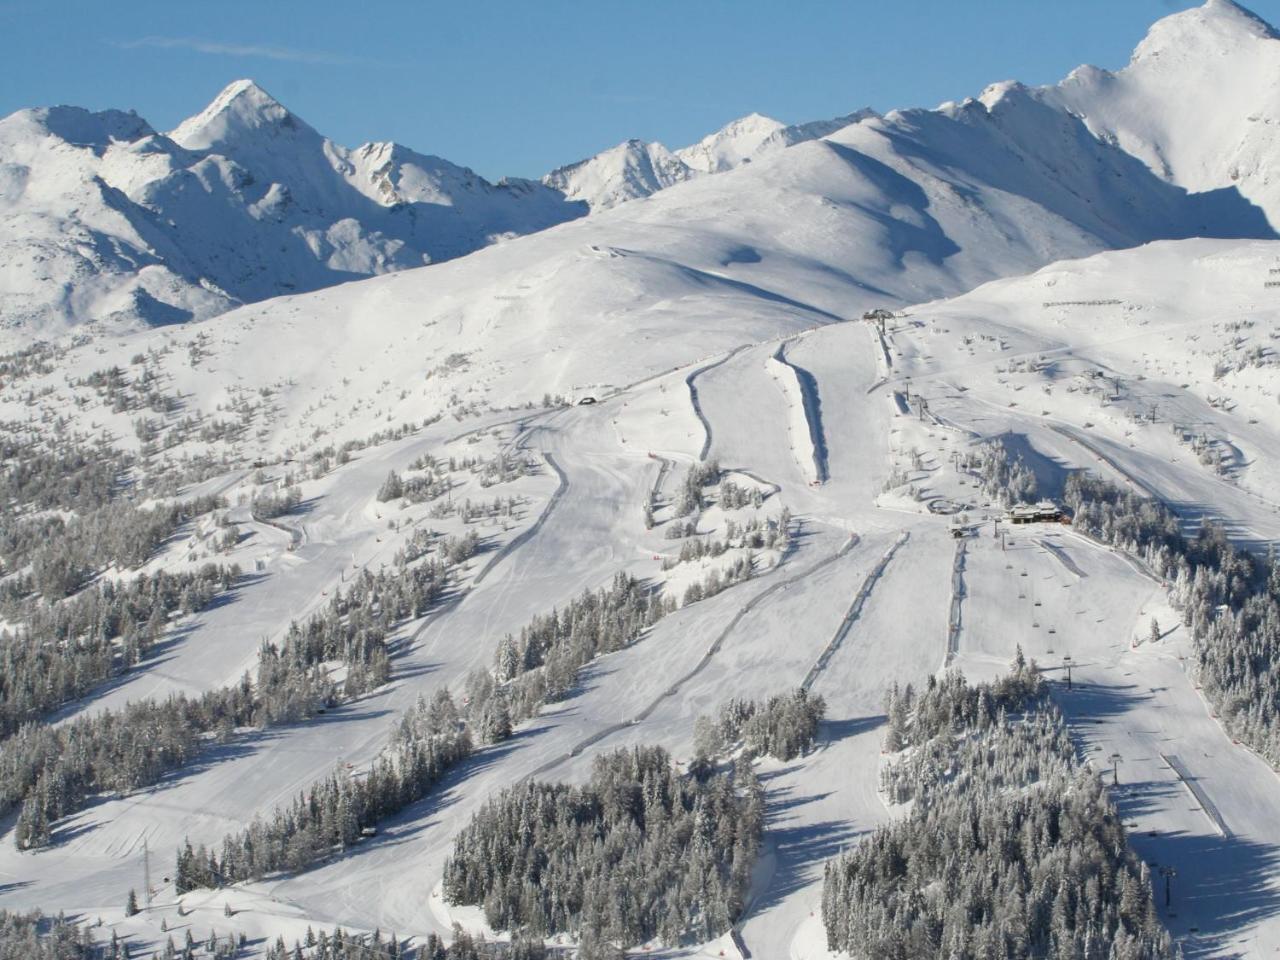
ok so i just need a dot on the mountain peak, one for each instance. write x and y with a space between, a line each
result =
1217 24
81 127
729 146
751 122
242 108
1229 10
628 171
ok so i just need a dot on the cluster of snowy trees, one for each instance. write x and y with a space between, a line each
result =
64 553
214 947
1124 519
122 393
718 580
735 497
271 504
541 665
1011 848
785 726
341 945
692 496
59 652
31 936
1229 600
332 815
638 852
470 510
1003 479
755 534
429 478
503 469
1008 756
59 474
952 703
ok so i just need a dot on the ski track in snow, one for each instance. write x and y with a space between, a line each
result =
701 665
696 402
855 610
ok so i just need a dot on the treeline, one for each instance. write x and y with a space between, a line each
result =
59 652
638 852
1011 847
785 726
64 553
53 772
334 814
1229 600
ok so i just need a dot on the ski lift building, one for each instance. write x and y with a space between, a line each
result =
1046 511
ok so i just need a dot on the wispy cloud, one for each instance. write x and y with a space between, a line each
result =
217 48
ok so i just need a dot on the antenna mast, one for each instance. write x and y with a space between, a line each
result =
146 871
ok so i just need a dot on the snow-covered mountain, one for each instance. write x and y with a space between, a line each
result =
755 136
729 146
103 218
629 171
1059 292
636 169
888 211
1199 103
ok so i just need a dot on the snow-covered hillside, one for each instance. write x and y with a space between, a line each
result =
889 211
682 390
104 219
1171 324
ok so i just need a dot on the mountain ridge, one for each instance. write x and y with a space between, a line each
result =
106 221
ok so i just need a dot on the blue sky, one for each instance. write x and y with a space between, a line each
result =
519 88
